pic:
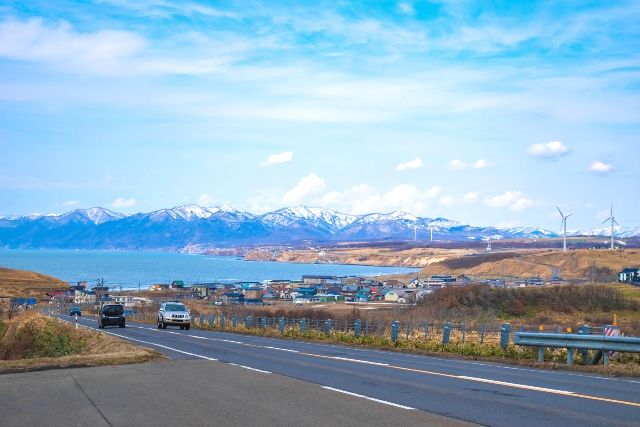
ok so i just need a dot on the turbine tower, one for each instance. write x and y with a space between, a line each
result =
563 225
613 221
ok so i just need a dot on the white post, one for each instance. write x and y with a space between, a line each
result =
76 317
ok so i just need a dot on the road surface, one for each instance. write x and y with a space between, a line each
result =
477 392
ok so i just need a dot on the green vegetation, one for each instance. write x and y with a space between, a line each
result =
45 337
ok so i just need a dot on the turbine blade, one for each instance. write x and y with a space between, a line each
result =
560 211
569 215
606 220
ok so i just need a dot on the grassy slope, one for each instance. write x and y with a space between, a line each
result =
33 341
20 283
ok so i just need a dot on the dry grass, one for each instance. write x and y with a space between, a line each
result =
20 283
21 349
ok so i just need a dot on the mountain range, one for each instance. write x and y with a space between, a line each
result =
224 226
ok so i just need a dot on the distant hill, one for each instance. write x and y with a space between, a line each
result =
199 227
20 283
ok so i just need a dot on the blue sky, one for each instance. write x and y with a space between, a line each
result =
484 112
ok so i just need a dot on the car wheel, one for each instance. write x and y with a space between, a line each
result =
181 327
121 325
164 325
159 324
187 327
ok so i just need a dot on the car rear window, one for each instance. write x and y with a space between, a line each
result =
112 310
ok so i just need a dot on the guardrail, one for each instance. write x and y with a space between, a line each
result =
603 344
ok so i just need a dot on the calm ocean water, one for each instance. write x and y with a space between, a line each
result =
132 269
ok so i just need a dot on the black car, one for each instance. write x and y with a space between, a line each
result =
111 315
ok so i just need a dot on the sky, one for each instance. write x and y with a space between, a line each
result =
491 113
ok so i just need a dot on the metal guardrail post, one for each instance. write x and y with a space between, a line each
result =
482 334
464 332
584 330
234 321
193 319
356 328
327 326
201 320
446 333
222 321
264 322
282 326
210 320
540 354
426 329
303 325
505 331
366 328
395 329
570 352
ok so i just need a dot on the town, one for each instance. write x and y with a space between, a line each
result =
310 289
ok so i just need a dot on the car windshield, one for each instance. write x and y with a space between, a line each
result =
175 307
112 310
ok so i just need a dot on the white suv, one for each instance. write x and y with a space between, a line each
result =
174 313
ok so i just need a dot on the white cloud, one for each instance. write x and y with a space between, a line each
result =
121 202
470 197
458 164
600 167
284 157
514 200
548 150
412 164
309 185
71 203
363 199
33 40
467 199
206 200
406 8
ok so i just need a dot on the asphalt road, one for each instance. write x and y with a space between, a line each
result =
479 392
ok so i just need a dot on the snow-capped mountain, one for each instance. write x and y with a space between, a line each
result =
618 231
99 228
321 217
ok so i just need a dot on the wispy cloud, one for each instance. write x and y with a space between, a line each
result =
121 202
411 164
548 150
71 203
206 200
458 164
274 159
600 167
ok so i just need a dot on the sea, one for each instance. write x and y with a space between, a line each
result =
136 269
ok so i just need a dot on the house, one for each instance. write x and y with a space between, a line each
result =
392 296
534 281
416 283
84 297
159 287
232 298
252 293
320 280
205 290
629 275
363 295
307 291
330 298
349 292
178 284
126 301
101 292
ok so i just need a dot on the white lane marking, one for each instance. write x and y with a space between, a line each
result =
162 346
255 369
460 377
249 368
515 385
367 362
282 349
368 398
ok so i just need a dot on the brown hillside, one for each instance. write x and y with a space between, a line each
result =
577 264
20 283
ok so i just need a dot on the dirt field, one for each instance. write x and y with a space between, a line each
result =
595 265
20 283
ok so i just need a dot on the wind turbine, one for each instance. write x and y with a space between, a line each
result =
613 221
563 225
